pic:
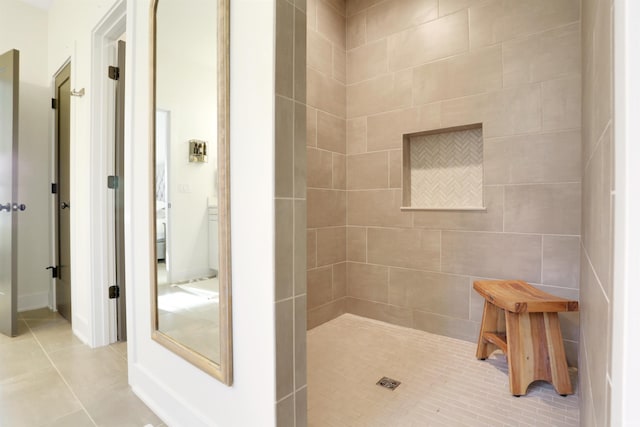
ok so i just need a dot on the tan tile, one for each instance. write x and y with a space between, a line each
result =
312 127
475 72
431 292
384 312
312 15
356 27
319 286
311 249
332 245
300 333
284 48
300 247
284 249
602 71
368 282
339 280
301 5
285 412
357 244
367 61
489 220
355 6
357 135
384 131
325 313
284 147
447 7
368 171
444 325
284 348
549 157
544 56
325 93
339 171
118 405
75 419
486 23
492 255
376 208
395 168
301 407
320 54
326 208
543 208
332 133
54 336
339 64
408 248
21 356
300 57
561 104
331 24
380 94
300 151
532 16
436 39
319 168
387 18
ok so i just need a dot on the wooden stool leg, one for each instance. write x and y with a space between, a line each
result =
492 321
536 352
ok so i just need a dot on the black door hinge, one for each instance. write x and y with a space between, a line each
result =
54 103
114 292
54 271
114 72
113 182
54 188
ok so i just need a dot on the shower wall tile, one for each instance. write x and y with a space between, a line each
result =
408 248
331 23
368 171
301 407
300 56
384 312
284 348
376 208
326 208
486 22
300 335
357 135
300 151
447 7
561 104
356 30
285 410
355 6
340 65
339 280
357 244
388 18
368 282
312 127
284 48
319 168
561 261
325 93
331 245
324 313
319 286
331 132
367 62
383 93
395 168
311 248
339 5
384 131
339 168
284 146
320 56
445 325
284 235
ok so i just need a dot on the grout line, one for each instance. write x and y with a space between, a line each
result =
542 259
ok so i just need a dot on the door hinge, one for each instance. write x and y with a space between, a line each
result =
54 103
54 271
113 182
114 72
114 292
54 188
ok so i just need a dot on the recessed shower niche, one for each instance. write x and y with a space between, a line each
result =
442 169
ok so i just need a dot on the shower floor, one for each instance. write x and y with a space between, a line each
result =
442 383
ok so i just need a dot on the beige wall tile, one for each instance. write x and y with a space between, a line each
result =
339 280
312 127
284 248
319 53
447 7
325 93
395 168
532 16
331 23
434 40
355 6
489 220
379 311
549 157
543 208
312 15
431 292
284 147
357 244
602 71
311 249
376 208
368 171
319 286
300 247
561 104
326 208
380 94
339 5
444 325
300 57
332 245
561 261
300 151
319 168
492 255
384 131
301 406
474 72
367 282
284 348
544 56
391 17
332 133
357 135
339 171
486 24
339 64
300 333
367 61
285 412
325 313
408 248
284 48
356 27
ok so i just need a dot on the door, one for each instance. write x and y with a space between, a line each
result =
9 79
63 223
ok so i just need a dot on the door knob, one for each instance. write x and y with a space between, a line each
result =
64 205
19 207
6 207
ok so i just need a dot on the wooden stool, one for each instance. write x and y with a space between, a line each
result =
522 321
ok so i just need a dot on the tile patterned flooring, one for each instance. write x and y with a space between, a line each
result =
50 378
442 382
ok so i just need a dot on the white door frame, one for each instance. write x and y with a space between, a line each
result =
103 38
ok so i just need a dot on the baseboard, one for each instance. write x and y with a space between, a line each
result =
33 301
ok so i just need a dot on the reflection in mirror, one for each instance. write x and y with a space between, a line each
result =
191 296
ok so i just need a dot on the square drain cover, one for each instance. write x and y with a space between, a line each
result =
389 383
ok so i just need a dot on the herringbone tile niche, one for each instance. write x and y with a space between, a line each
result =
443 169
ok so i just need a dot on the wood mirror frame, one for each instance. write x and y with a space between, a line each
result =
222 369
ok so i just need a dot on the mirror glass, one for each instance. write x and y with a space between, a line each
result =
191 226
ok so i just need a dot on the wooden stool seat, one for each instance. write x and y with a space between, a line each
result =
522 321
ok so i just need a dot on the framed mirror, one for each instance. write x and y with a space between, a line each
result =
191 290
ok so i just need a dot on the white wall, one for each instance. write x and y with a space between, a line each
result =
179 393
24 27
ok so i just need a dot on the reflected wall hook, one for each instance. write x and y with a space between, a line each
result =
77 92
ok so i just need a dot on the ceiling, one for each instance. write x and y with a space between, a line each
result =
42 4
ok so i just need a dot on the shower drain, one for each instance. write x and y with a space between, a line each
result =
389 383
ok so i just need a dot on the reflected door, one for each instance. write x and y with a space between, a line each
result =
9 71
